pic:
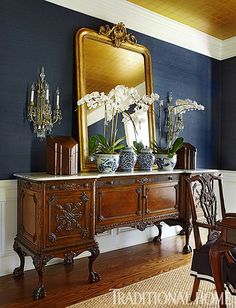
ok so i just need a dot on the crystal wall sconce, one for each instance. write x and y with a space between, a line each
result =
40 110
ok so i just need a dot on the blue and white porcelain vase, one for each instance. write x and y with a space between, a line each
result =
146 159
107 163
128 159
166 163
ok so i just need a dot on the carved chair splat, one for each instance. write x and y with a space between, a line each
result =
210 258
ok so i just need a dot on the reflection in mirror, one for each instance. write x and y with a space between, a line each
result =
101 67
113 66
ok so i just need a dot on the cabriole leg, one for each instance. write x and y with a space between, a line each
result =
187 248
157 239
93 276
19 271
39 262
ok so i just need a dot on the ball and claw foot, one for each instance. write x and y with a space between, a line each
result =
18 272
157 239
39 293
94 277
182 232
187 249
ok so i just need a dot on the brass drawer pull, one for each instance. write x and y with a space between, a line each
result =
143 180
110 182
85 185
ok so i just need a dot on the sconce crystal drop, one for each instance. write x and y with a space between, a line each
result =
40 110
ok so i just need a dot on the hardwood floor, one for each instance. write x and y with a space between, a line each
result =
66 285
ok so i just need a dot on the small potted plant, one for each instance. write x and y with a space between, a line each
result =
106 153
166 158
169 130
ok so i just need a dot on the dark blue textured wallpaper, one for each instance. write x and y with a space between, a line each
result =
36 33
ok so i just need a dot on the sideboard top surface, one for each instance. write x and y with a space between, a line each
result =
43 176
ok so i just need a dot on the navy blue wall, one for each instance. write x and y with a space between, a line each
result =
36 33
190 75
228 115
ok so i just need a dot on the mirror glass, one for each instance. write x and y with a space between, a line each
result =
101 67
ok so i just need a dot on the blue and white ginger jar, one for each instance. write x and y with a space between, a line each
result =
146 159
128 159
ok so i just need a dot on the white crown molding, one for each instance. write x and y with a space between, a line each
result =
228 48
147 22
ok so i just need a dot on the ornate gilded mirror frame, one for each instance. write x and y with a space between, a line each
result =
117 37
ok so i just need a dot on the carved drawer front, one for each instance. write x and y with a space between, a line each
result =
117 205
115 181
159 178
68 186
68 218
161 199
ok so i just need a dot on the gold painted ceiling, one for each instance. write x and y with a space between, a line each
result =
214 17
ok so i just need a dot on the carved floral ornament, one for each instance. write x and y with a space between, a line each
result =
118 34
70 216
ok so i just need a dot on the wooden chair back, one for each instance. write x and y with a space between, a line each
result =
204 204
217 258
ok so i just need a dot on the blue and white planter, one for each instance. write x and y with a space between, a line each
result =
166 163
107 163
128 159
146 159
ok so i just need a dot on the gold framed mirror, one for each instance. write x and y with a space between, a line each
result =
104 60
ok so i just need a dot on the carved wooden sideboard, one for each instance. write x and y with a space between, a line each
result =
58 216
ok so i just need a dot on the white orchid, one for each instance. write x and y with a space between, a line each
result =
127 102
183 105
120 100
175 121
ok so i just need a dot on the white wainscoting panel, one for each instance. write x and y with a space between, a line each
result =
7 215
126 237
229 186
2 235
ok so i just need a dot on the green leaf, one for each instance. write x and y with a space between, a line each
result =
119 147
138 146
176 146
92 145
102 139
118 141
157 149
102 146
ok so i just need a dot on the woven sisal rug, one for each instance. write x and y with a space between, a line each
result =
170 289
